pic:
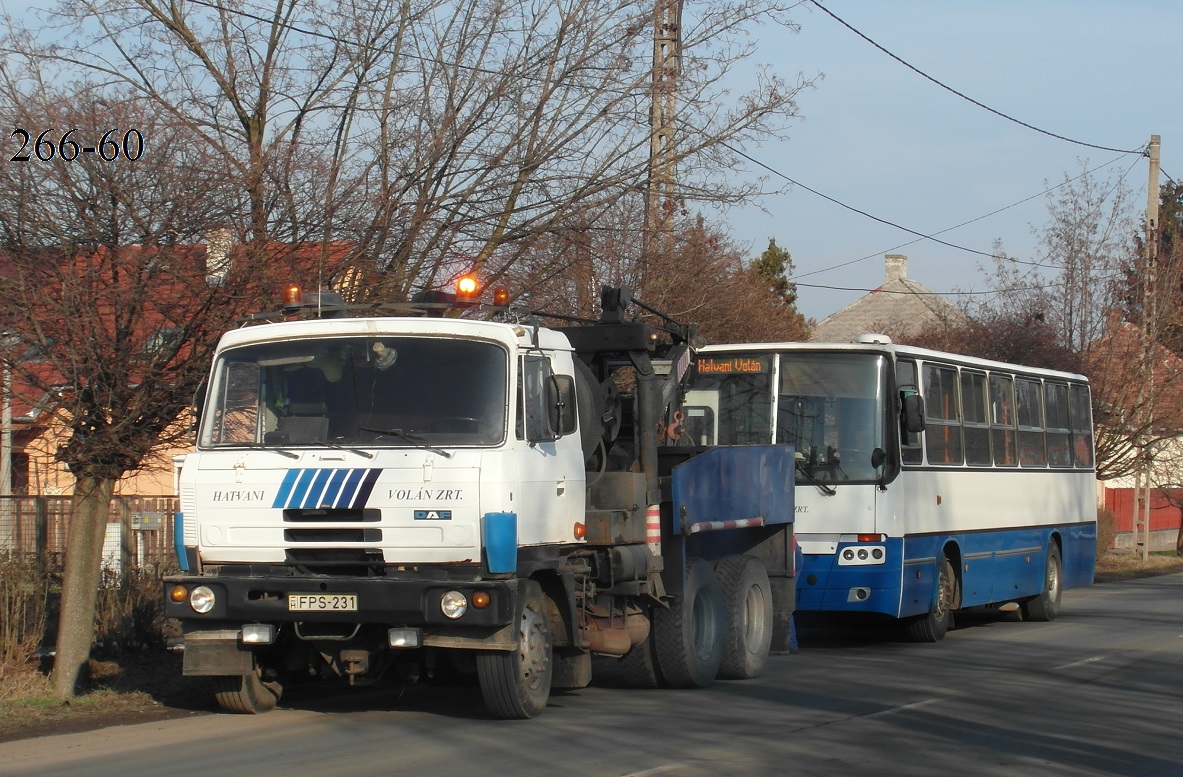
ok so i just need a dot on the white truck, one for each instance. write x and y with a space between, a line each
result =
423 493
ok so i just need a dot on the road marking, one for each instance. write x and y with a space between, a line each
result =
904 708
654 770
1092 660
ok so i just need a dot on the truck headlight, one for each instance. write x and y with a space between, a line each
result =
201 599
453 604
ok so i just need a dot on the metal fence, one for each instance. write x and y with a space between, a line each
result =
139 529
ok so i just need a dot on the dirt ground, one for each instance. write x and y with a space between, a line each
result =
148 686
139 688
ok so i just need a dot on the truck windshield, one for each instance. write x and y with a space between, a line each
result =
830 407
359 391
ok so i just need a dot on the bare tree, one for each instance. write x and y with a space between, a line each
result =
110 309
703 279
435 137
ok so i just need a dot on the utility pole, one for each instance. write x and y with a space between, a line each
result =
660 195
1149 342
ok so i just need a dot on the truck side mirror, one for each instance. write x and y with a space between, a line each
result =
199 403
561 400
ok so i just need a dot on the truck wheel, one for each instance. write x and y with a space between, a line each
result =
932 627
1046 605
688 635
516 684
747 617
247 694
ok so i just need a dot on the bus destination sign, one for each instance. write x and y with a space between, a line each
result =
729 365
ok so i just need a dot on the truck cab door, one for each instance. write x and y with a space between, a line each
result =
551 458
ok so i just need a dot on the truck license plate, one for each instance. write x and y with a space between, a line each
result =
322 602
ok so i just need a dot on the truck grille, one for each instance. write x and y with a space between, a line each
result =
332 535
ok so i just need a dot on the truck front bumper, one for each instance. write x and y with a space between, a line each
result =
379 601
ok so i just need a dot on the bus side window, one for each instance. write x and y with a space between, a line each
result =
1029 396
911 451
1082 426
1055 408
942 436
976 419
1002 420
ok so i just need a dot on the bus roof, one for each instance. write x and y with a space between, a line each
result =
896 351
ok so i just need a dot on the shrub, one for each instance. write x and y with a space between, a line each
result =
1106 530
130 612
24 607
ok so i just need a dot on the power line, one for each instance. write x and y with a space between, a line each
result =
967 98
841 204
970 221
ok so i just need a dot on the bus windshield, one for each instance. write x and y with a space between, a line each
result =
830 406
360 391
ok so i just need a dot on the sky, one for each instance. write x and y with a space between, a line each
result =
876 136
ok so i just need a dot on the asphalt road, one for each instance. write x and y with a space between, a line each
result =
1097 692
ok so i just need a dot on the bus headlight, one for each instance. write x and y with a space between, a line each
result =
861 555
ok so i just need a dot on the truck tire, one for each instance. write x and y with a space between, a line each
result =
747 617
516 683
639 667
688 635
247 694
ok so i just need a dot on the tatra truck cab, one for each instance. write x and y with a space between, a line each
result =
427 493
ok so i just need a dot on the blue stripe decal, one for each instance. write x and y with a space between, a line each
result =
301 490
318 487
349 489
334 488
285 488
338 488
363 493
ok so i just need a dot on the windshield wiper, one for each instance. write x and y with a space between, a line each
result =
410 437
812 478
340 447
260 446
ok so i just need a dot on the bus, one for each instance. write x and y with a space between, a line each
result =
927 482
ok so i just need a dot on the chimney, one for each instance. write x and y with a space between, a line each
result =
217 254
896 267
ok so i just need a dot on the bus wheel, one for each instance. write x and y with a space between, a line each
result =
1046 606
688 635
932 627
747 613
516 683
247 694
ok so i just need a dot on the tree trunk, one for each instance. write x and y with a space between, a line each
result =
80 582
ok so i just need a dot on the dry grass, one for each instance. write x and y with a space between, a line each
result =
1129 565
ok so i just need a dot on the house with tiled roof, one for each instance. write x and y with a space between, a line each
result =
900 307
31 429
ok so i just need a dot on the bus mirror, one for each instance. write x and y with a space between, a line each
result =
878 456
913 413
